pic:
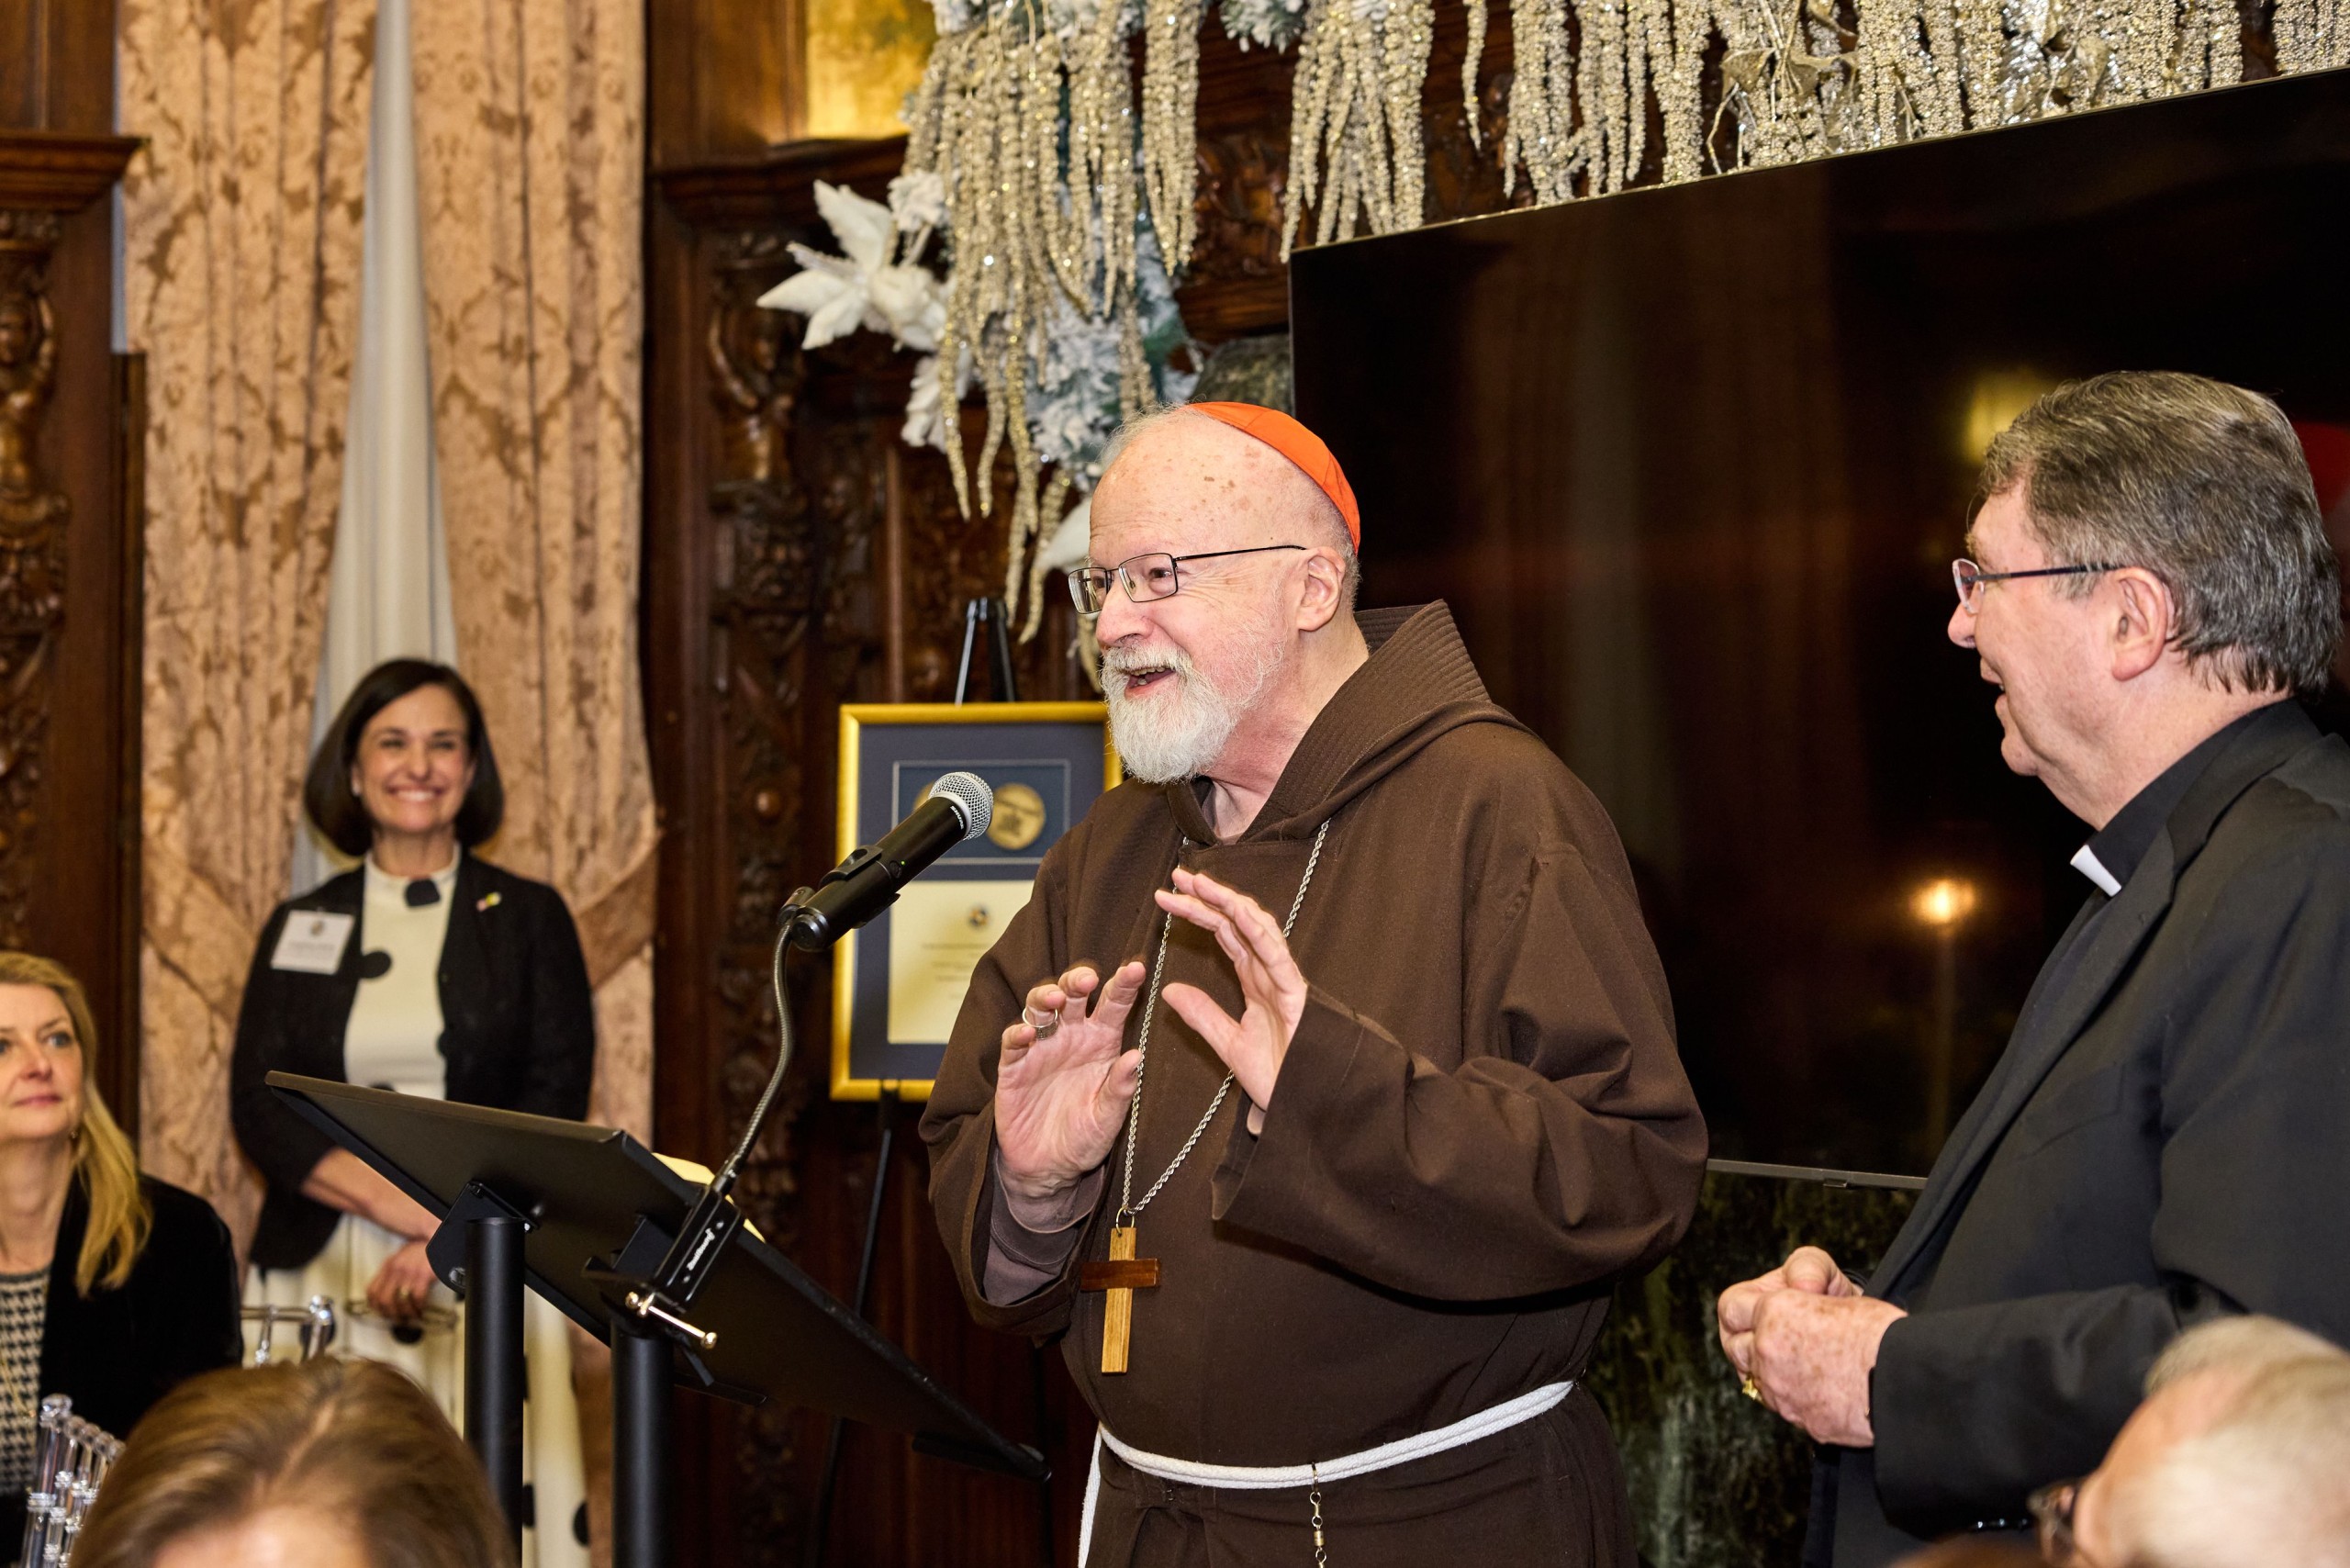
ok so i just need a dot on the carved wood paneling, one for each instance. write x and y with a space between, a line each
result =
33 513
811 503
68 637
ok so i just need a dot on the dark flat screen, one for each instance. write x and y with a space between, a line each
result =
1691 466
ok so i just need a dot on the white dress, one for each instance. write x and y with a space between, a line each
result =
393 1041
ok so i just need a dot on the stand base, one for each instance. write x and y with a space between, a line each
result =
642 1371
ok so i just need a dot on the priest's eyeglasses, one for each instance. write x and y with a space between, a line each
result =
1148 577
1972 578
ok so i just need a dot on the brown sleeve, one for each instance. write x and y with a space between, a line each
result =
1566 1150
958 1123
1029 1245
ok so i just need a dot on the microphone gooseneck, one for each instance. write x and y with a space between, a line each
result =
958 809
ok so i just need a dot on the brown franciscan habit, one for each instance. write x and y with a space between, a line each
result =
1481 1123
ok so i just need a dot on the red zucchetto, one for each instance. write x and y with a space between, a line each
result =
1300 445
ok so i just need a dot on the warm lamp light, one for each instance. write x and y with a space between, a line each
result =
1993 405
1943 902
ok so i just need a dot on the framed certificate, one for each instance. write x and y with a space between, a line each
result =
898 982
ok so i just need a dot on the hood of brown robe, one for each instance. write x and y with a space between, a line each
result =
1481 1123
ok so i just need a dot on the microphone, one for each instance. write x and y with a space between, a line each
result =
865 884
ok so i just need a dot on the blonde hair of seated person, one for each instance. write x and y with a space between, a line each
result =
347 1444
119 1218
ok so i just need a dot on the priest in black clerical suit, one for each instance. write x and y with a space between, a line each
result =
2162 1141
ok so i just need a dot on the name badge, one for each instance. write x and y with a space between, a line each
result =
312 942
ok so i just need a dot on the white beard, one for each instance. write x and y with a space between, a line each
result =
1178 733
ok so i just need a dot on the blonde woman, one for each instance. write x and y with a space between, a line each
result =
114 1287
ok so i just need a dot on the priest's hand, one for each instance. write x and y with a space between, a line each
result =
1808 1268
1272 990
1806 1339
1062 1084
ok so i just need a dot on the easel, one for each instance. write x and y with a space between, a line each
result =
992 614
1004 687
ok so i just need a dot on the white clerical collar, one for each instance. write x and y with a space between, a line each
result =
2086 863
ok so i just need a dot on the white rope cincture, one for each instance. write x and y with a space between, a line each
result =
1268 1478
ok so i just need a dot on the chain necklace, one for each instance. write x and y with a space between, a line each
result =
1121 1273
1128 1209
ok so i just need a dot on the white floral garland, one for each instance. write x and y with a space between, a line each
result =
1057 194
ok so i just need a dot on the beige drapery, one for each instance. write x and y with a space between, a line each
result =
530 151
241 233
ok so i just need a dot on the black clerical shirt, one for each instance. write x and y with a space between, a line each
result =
2111 855
2114 852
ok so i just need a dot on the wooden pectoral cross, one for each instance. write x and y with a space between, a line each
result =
1121 1276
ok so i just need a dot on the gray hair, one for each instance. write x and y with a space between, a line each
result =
2268 1484
2246 1344
1325 517
2205 486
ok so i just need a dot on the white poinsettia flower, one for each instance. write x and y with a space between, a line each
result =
863 288
1071 542
918 201
928 408
864 228
830 293
910 300
925 418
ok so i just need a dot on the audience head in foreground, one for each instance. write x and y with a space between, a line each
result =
1972 1552
2239 1458
327 1463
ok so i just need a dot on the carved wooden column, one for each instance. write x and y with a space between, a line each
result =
64 556
32 550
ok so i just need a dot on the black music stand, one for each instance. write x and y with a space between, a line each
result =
582 1214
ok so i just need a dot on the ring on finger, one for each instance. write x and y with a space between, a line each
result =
1052 1021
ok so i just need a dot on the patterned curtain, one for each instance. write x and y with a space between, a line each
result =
241 233
530 150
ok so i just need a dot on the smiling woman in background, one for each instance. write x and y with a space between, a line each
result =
113 1286
424 969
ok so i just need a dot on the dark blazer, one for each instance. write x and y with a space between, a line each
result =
117 1351
519 1031
2162 1143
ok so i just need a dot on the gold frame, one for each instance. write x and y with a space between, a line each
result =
855 716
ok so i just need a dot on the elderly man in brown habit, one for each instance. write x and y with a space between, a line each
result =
1327 1080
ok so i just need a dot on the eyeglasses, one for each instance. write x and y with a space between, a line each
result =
1971 579
2052 1517
1148 577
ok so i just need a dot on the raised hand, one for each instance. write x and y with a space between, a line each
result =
1272 989
1061 1090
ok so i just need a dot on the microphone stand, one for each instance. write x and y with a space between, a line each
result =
662 1299
662 1302
656 1321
